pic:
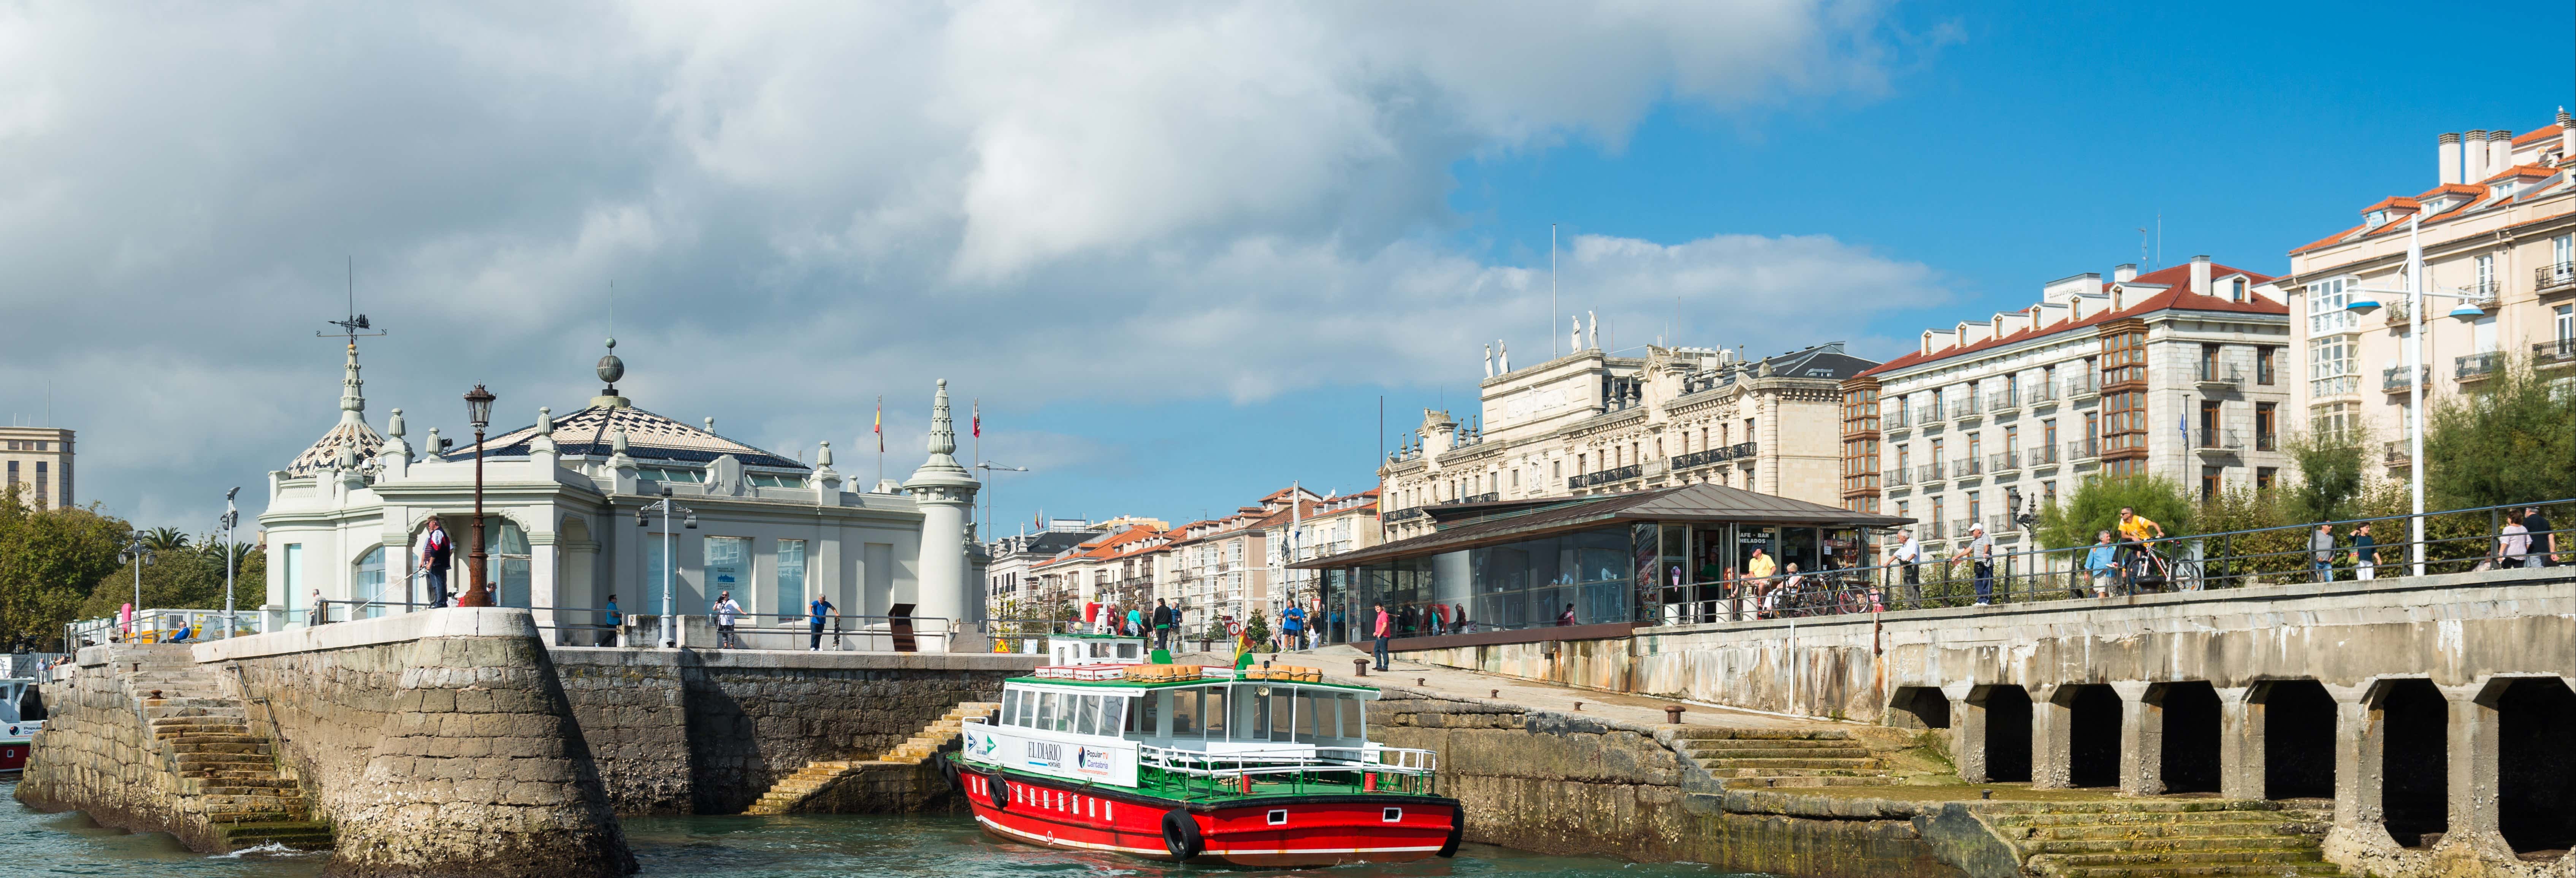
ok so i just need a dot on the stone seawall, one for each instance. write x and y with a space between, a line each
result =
96 755
1567 784
709 732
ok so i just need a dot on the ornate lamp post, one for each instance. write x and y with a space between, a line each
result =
226 522
670 624
478 409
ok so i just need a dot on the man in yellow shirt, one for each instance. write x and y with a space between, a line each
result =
2135 530
1758 571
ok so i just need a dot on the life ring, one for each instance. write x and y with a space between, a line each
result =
994 792
1181 835
1457 832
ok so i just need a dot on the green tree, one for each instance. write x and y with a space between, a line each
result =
2095 506
1258 630
2330 475
49 562
2510 440
180 580
165 539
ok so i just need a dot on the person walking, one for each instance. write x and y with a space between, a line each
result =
1162 624
726 611
2321 545
614 619
436 553
814 612
1292 624
1981 548
2514 543
1340 629
321 613
1380 631
2100 561
1135 622
1565 618
2544 542
2365 554
1908 558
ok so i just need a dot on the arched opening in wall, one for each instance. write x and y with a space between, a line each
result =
2536 766
1919 707
2298 739
2093 735
2414 760
2007 732
2189 755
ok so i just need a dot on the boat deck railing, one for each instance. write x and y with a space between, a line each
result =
1193 775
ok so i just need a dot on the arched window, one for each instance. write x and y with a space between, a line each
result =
368 584
507 547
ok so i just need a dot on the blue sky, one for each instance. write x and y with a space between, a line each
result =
1178 252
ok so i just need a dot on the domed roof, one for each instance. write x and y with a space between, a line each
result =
649 436
325 452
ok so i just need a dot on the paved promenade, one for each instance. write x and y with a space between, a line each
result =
1335 662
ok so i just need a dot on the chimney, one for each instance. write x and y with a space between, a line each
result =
2200 275
2473 164
2566 138
2448 157
2124 273
2499 152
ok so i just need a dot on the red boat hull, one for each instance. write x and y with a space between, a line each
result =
1276 832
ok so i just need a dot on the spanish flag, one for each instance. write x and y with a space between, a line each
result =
879 428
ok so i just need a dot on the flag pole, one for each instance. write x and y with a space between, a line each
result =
879 427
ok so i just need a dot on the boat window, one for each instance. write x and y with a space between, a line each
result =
1214 713
1113 715
1185 713
1011 709
1354 716
1248 722
1087 715
1310 707
1283 712
1046 710
1128 650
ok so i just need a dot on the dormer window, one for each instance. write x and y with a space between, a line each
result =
2375 219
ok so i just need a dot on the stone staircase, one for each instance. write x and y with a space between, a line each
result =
2164 839
227 774
793 790
1779 758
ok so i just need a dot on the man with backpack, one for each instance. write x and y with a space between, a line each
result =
436 551
1162 624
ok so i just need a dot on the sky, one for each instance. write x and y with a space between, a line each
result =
1181 255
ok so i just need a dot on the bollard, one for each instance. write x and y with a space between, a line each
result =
1422 681
1359 667
1578 706
1673 714
1494 693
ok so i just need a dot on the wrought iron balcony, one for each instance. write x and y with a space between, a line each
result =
1607 476
2044 454
2043 392
2216 440
1965 467
2554 277
2220 375
2082 388
1930 472
2083 449
2554 353
1928 415
2393 379
2003 461
2476 367
2267 441
2004 400
1966 407
1893 418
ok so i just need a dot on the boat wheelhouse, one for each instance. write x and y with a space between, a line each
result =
1251 767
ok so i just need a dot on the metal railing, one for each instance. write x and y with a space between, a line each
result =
1893 418
2476 366
1927 415
164 626
2042 392
2393 378
2553 353
2002 400
1965 467
2081 387
1966 407
2554 276
1607 476
2003 461
2223 439
2043 454
2456 541
1930 472
2220 374
1194 775
1708 456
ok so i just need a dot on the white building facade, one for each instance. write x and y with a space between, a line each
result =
2180 373
563 504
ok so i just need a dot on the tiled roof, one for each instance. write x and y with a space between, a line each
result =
326 450
2522 171
2175 298
2545 132
648 437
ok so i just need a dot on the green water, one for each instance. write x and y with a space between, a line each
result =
744 847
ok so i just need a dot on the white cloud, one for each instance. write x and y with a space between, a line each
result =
807 205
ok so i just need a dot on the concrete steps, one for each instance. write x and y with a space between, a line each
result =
1782 758
792 790
302 835
2165 839
226 772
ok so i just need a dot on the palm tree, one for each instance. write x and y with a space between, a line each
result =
163 539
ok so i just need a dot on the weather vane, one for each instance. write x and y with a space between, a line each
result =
356 324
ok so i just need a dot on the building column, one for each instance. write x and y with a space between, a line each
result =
1967 731
2142 740
2474 747
942 490
2240 743
2358 772
542 592
2052 729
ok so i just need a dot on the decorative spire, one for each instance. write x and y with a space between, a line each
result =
941 476
395 445
353 400
943 429
610 369
544 443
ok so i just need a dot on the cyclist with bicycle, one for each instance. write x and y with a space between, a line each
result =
2135 530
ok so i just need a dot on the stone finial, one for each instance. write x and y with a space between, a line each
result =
940 475
431 448
353 399
711 426
543 442
610 369
396 447
617 457
823 457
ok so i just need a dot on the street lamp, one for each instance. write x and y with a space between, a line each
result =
989 469
138 553
478 410
2415 293
226 522
670 632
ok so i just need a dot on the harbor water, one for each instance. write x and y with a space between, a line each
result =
35 844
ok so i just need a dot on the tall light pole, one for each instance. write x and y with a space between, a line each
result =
2415 374
670 630
138 553
226 522
989 469
478 410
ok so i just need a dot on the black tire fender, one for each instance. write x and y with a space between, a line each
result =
996 791
948 771
1181 835
1457 832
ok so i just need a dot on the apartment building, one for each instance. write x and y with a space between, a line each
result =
2499 227
1011 581
1118 568
1592 423
2181 372
1331 526
37 462
1222 569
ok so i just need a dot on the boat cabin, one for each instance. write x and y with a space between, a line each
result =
1095 649
1098 729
